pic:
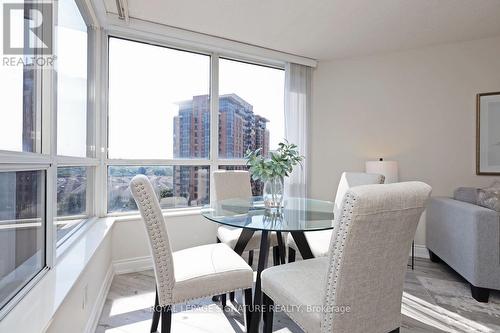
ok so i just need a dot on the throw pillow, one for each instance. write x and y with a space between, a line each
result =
466 194
489 197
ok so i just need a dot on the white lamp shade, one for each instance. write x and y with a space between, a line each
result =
389 169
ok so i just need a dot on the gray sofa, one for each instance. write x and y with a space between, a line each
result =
467 238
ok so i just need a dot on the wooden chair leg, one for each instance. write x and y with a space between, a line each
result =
267 314
223 300
156 315
291 255
248 308
166 319
250 258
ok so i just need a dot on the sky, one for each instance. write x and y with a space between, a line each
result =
146 82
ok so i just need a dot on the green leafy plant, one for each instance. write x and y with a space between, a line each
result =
280 163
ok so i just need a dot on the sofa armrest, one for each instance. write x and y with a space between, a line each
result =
466 237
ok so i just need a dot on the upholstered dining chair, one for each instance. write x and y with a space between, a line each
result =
319 241
188 274
236 185
358 287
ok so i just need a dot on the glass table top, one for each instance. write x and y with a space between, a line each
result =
298 214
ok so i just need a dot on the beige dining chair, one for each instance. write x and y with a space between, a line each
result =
236 185
319 241
197 272
358 287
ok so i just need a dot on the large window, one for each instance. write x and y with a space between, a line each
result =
73 121
22 230
20 125
71 68
71 199
22 182
46 159
156 94
161 109
175 186
251 110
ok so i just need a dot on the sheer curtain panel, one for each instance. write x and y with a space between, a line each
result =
297 108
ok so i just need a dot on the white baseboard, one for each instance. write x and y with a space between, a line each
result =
421 251
131 265
95 313
116 268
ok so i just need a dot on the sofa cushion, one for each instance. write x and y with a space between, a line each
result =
466 194
489 197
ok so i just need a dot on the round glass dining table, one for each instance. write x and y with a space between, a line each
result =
297 216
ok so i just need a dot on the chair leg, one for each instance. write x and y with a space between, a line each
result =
291 255
166 318
480 294
248 308
433 256
281 248
276 256
250 258
223 300
268 305
231 296
156 315
395 331
217 297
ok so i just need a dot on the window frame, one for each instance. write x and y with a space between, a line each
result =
45 157
91 161
49 246
213 162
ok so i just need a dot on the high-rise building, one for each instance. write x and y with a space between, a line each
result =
239 130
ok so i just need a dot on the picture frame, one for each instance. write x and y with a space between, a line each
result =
488 134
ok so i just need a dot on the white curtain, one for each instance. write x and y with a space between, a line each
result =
297 108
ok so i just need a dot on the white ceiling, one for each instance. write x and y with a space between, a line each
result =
327 29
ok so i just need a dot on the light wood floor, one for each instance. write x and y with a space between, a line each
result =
435 299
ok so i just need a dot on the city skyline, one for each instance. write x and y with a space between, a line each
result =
240 129
182 186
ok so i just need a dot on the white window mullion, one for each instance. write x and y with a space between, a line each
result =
102 71
214 119
49 148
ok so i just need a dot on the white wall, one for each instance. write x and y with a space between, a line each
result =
416 107
84 299
129 237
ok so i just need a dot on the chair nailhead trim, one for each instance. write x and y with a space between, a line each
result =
339 237
159 243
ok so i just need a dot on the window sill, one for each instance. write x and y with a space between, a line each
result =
74 235
34 312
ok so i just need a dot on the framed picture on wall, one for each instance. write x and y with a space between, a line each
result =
488 133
